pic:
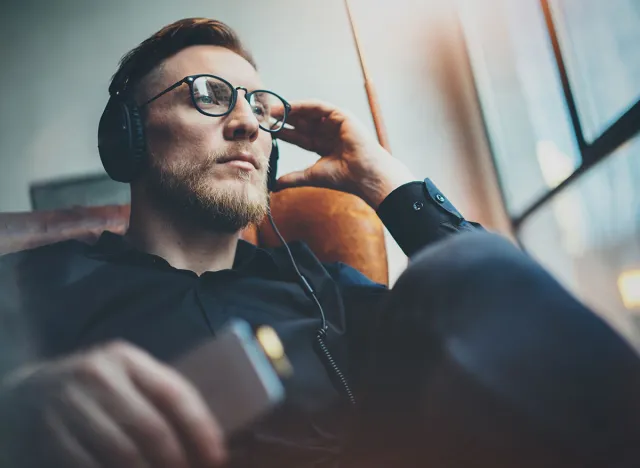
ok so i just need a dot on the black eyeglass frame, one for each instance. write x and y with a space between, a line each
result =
189 80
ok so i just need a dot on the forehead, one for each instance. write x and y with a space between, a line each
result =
214 60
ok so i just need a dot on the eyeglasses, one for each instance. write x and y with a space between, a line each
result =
216 97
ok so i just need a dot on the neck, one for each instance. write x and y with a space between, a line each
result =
181 242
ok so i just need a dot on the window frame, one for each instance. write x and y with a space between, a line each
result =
614 136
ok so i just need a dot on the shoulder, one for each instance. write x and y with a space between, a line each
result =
44 260
45 253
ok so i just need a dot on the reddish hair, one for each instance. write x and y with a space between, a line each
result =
170 40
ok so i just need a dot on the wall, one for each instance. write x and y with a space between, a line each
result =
57 63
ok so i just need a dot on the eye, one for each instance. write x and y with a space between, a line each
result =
205 100
259 110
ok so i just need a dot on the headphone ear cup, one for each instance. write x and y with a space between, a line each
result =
121 141
138 141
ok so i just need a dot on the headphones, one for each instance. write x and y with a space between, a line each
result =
122 144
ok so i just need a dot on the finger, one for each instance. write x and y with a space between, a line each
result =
154 435
137 417
301 125
277 110
97 432
315 128
293 179
64 450
296 179
296 137
310 109
181 404
302 120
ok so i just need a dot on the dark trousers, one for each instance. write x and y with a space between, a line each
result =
481 359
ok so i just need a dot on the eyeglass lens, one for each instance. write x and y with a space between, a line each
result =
214 97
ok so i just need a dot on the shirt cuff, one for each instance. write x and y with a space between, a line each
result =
417 214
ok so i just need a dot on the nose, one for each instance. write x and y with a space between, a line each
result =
241 123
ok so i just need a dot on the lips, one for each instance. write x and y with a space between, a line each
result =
246 157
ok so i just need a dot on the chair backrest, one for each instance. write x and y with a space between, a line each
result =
335 225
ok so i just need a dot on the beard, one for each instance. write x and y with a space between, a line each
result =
188 190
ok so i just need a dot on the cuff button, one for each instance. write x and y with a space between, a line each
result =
417 206
439 198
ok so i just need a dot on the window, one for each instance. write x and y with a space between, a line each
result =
520 91
588 235
559 84
599 42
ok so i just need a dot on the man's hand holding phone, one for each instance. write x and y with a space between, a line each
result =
117 406
112 406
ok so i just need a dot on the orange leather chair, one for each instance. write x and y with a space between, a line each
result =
335 225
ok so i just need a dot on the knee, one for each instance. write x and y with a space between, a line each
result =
497 315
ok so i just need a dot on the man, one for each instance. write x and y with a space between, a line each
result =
476 356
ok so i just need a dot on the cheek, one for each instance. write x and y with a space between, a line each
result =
265 143
182 137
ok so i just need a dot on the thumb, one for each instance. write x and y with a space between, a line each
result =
292 179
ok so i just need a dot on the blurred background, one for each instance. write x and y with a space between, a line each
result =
524 112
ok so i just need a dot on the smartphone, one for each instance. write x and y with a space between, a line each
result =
234 375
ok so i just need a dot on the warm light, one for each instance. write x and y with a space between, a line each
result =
270 342
629 286
272 346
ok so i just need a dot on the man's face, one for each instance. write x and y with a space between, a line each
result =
187 149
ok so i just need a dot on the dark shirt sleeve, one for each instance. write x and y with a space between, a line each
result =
418 214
